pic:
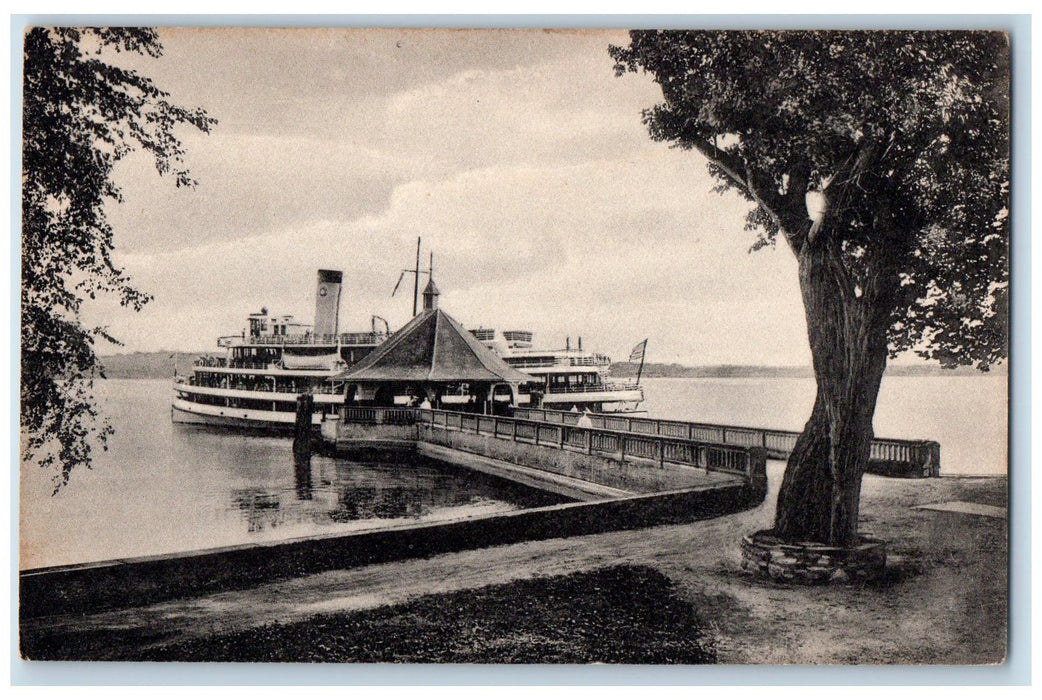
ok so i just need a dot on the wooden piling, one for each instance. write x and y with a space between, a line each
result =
302 428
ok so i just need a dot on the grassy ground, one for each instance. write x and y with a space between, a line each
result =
622 615
673 594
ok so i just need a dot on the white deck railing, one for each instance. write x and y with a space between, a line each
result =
601 441
924 454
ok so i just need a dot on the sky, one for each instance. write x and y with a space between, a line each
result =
517 155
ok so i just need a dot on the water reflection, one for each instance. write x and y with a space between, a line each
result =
326 492
302 477
417 487
260 509
367 502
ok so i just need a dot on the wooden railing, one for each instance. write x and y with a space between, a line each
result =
378 416
303 339
591 388
603 441
918 454
521 362
261 391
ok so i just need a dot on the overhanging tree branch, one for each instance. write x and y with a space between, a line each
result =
788 210
744 177
80 115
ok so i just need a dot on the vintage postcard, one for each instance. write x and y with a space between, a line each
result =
514 346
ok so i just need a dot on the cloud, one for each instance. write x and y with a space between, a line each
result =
290 148
549 112
519 159
248 184
605 249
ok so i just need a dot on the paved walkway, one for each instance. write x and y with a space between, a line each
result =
968 508
946 609
355 589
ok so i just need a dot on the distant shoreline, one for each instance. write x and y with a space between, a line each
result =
676 371
160 365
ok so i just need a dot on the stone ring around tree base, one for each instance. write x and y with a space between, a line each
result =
811 562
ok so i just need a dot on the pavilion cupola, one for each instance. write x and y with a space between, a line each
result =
430 296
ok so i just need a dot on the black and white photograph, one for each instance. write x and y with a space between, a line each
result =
436 345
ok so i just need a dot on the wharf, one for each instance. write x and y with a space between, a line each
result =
546 481
888 457
615 482
599 457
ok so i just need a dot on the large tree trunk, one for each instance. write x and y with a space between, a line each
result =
847 327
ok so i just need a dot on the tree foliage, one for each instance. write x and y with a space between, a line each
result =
81 114
902 138
905 136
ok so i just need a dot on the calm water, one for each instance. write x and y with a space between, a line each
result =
966 415
163 488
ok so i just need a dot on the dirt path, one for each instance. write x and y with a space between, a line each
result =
944 600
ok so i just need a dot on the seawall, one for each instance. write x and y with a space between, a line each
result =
139 581
620 482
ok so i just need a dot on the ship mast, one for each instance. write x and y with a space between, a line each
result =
416 280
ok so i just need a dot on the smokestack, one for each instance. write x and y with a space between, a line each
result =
580 342
568 343
327 302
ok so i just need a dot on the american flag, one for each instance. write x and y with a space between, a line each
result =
637 355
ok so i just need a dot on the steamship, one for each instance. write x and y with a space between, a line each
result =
254 379
571 378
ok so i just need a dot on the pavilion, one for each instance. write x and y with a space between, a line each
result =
435 360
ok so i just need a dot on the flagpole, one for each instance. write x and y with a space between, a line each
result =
643 351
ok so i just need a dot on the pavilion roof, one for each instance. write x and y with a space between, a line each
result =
434 347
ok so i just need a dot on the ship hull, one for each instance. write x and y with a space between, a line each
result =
597 399
188 413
